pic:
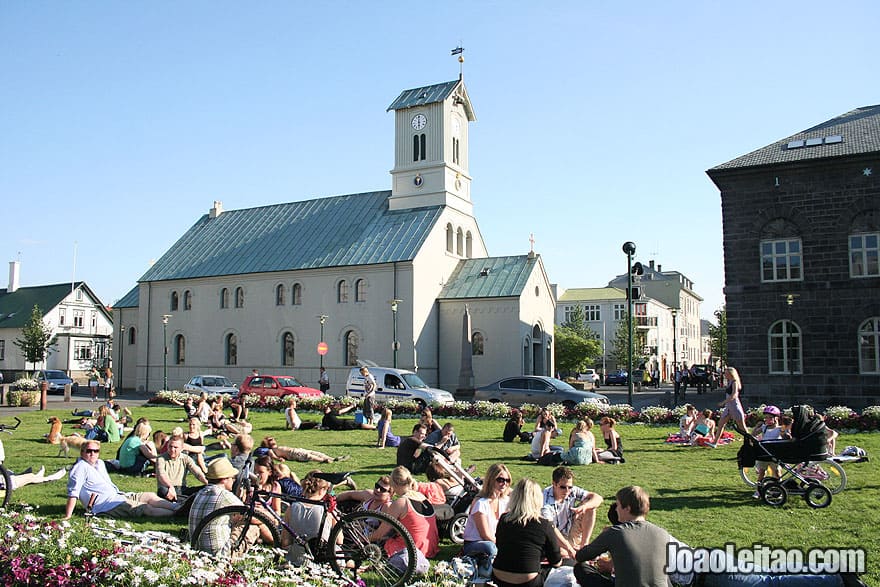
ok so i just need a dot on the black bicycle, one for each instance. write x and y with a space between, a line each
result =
358 548
5 475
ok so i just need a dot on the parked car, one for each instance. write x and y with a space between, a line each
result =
703 376
56 380
397 384
590 376
536 389
276 385
211 384
619 377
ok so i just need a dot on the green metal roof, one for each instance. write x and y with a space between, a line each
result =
16 307
491 277
853 133
431 94
129 300
589 294
338 231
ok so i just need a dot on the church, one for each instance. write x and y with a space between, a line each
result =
400 278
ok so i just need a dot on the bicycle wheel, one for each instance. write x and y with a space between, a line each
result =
228 532
5 486
356 558
829 473
749 475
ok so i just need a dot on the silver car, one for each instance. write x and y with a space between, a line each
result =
56 380
211 384
536 389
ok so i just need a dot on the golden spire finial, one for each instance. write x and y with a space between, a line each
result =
458 51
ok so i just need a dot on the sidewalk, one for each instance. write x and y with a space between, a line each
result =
79 401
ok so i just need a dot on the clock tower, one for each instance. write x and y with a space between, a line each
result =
431 148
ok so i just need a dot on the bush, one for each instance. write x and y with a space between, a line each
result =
22 398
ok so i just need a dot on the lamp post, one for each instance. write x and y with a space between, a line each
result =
121 354
629 248
165 318
789 348
322 318
394 344
722 334
674 312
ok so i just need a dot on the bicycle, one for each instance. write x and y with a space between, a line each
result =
349 549
5 476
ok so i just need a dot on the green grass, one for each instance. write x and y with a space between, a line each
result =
695 493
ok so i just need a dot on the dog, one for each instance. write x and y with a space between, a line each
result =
55 437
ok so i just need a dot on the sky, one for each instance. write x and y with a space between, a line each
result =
121 122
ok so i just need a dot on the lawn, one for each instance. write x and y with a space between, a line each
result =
696 492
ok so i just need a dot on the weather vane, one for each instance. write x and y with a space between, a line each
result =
458 51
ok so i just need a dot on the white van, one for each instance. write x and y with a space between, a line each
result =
397 384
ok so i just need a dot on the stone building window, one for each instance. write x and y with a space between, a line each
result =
175 301
869 346
781 260
296 294
224 298
864 255
342 292
784 342
477 342
231 349
279 295
350 348
287 348
239 297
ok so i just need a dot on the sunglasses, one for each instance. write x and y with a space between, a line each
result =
502 480
91 450
567 487
382 489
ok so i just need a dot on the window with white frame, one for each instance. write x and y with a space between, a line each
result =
869 346
781 260
619 311
82 350
567 310
79 294
864 255
62 316
784 345
592 313
79 318
94 320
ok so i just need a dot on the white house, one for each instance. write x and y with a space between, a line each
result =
383 276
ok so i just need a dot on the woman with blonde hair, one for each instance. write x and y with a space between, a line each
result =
490 503
269 446
581 443
138 450
386 437
733 409
524 540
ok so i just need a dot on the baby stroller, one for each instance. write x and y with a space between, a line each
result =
793 458
452 516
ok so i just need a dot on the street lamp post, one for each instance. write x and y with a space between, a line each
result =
322 318
165 318
629 248
674 313
722 334
121 354
394 344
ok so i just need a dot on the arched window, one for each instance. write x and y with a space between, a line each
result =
239 297
342 292
477 341
179 349
132 335
279 295
527 356
450 238
224 298
296 294
174 301
187 300
231 349
360 290
352 341
287 350
459 242
784 343
468 245
419 147
869 346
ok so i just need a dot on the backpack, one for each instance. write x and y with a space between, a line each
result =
551 459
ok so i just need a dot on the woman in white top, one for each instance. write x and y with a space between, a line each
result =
294 422
491 502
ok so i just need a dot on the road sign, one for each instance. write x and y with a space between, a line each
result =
322 348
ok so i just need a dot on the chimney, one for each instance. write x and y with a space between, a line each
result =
659 268
217 210
14 270
651 263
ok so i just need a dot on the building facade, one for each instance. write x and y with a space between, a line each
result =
801 223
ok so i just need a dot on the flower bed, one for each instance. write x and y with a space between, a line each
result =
838 417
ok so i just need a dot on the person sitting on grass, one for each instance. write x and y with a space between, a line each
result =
613 452
446 440
386 437
377 499
90 483
137 450
270 447
513 428
332 421
171 469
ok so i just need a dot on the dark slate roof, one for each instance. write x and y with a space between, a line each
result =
431 94
129 300
16 307
858 129
338 231
505 277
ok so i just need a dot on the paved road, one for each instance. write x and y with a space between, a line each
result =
80 401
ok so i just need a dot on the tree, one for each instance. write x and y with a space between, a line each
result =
620 344
577 346
718 336
36 338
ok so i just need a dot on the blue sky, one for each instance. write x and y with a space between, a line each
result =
121 122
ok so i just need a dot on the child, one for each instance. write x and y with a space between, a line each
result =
688 421
704 427
768 430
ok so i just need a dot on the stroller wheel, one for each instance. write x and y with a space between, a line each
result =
456 528
773 493
817 496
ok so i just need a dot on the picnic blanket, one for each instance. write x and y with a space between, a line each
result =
676 438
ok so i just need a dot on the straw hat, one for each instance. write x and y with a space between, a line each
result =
220 469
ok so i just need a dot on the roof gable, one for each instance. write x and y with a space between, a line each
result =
432 94
490 277
853 133
356 229
16 307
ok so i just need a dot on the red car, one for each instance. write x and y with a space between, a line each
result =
276 385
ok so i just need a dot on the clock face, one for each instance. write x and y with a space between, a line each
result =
419 121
